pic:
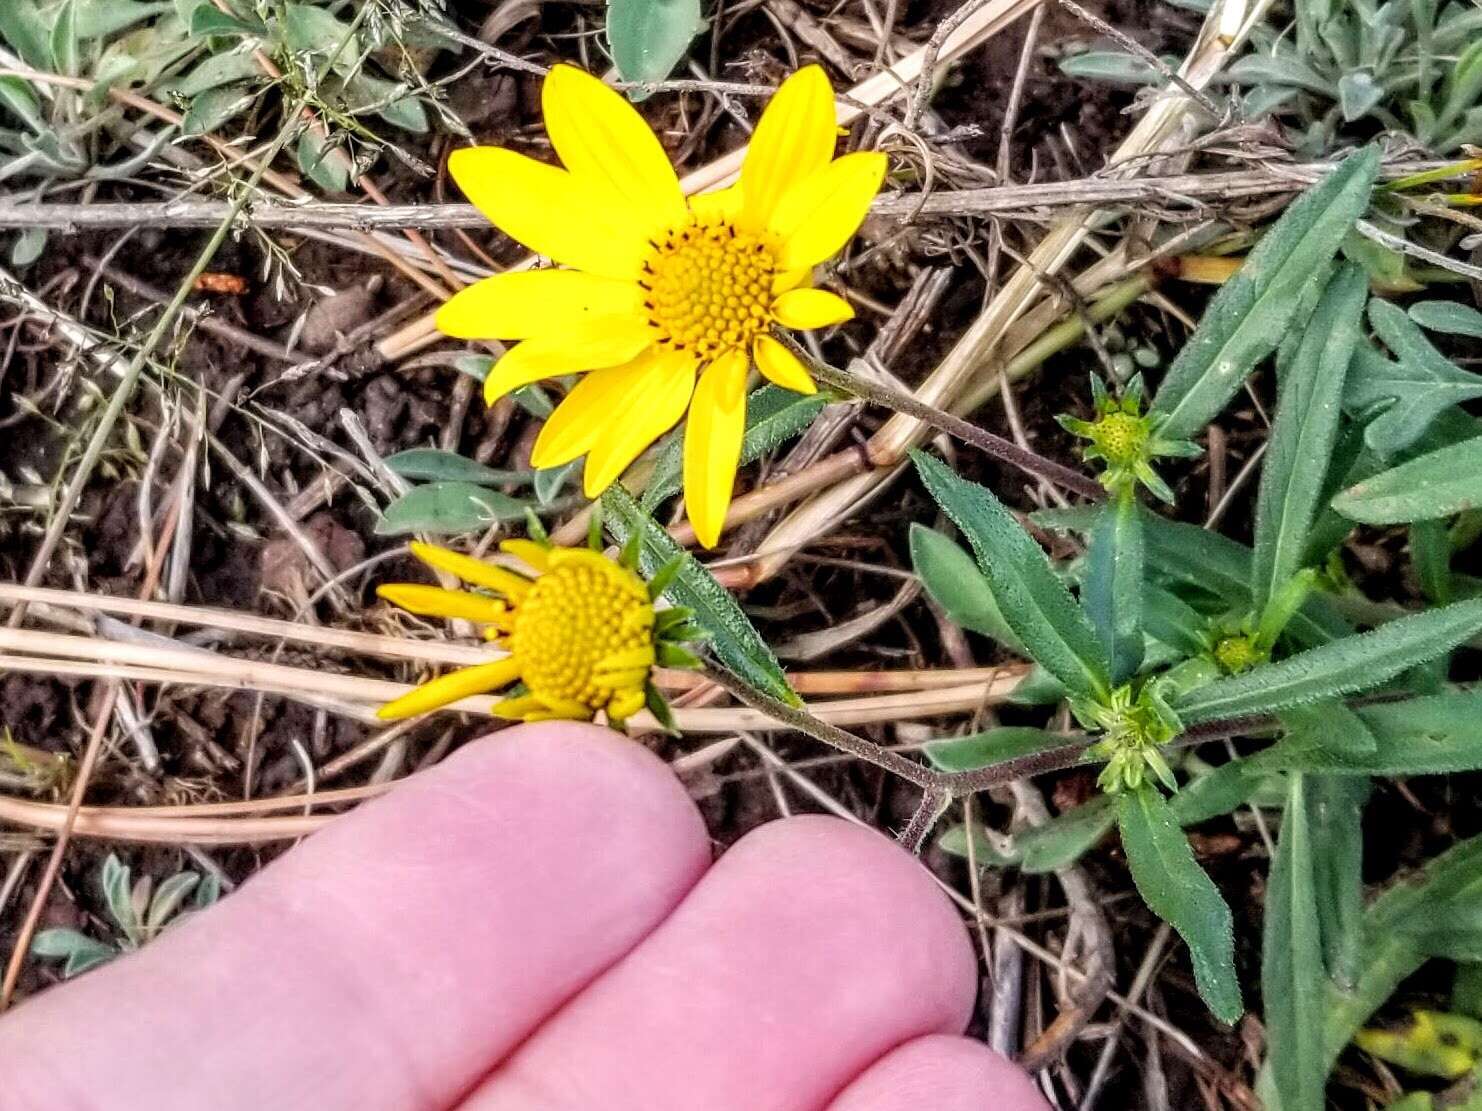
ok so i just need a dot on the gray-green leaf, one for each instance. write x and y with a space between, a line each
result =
732 639
425 464
1178 891
1354 663
649 37
448 508
1303 435
1292 964
953 580
1438 484
1114 585
1033 600
1249 315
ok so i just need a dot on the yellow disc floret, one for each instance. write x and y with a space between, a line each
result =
708 287
580 633
1237 652
1122 438
584 633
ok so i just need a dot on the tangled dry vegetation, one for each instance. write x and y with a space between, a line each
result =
226 409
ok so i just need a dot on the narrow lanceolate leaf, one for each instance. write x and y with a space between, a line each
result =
1336 809
1304 432
1430 735
1352 664
1114 585
426 464
732 639
1251 312
1178 891
1292 963
1036 605
1330 725
954 582
1437 484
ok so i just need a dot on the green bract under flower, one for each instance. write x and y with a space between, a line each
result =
1126 440
1135 724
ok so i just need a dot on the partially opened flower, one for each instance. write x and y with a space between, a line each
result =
582 634
664 303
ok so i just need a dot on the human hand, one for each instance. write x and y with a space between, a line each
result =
536 925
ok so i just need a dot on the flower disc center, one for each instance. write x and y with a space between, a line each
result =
576 616
709 287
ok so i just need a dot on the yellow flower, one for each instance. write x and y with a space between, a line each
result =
580 634
664 303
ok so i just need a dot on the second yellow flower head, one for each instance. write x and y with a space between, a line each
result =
663 302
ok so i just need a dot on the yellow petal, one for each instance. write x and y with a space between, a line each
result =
811 308
793 140
582 417
531 553
470 570
434 601
721 204
624 704
818 215
527 303
600 342
792 279
649 404
450 688
600 138
712 444
572 220
781 366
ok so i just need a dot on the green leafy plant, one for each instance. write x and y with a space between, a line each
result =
139 911
1173 628
1339 69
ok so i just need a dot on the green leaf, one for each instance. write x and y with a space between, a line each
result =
732 639
773 416
1292 964
28 246
100 18
649 37
208 20
1249 315
1172 621
64 44
17 95
1358 94
1034 602
1336 807
425 464
1065 838
1431 735
214 107
1407 394
1303 435
77 949
982 750
215 71
1330 725
1354 663
953 580
1113 590
1178 891
448 508
1439 484
316 159
550 481
315 30
1112 67
27 32
1450 317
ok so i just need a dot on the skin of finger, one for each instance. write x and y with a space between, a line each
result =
943 1073
394 957
811 948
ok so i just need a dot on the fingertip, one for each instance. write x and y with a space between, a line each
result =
945 1073
912 923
